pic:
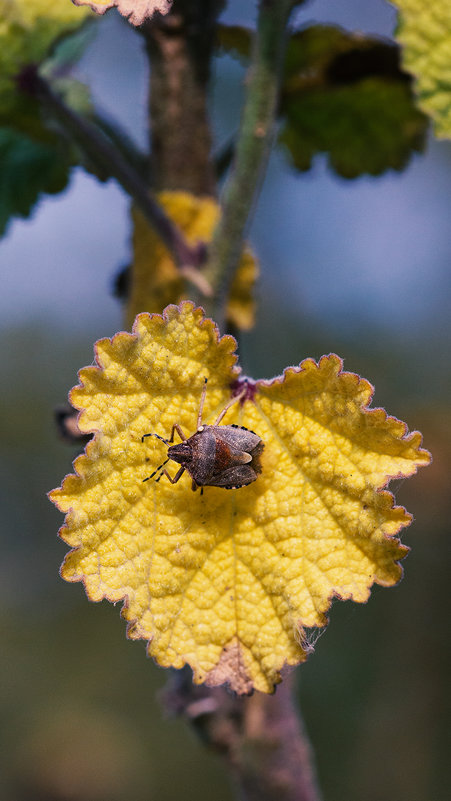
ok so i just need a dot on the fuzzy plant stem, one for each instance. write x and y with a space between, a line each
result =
261 738
253 149
180 47
108 160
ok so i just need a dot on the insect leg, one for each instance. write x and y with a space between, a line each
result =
228 405
176 478
177 428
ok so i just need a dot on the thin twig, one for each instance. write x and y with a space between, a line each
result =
111 162
253 147
121 140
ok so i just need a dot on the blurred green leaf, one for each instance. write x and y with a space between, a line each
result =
68 49
235 40
369 127
30 33
76 95
29 169
345 95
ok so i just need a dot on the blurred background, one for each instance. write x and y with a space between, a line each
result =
358 267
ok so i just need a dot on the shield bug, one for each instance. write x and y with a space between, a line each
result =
214 456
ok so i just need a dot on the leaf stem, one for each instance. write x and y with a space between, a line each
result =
111 162
253 148
261 738
135 157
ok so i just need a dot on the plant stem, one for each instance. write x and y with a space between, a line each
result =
261 737
224 156
253 148
121 140
110 162
180 46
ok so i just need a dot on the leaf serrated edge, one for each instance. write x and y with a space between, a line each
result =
423 456
310 363
411 437
171 311
145 319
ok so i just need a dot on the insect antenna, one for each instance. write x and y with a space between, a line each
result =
154 435
163 463
156 471
201 404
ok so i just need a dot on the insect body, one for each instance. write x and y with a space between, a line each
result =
214 456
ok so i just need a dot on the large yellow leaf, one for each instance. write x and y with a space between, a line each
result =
136 11
424 31
228 580
156 281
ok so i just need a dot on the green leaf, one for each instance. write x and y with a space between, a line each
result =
68 49
235 41
424 31
31 31
76 95
35 158
28 169
345 95
365 128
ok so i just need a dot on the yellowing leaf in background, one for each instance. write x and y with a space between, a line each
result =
424 31
156 281
227 581
136 11
28 30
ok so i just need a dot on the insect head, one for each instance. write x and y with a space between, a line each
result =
214 456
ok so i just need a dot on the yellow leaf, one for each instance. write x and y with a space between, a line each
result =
228 580
136 11
28 30
156 281
424 31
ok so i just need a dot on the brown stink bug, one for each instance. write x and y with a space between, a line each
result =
214 456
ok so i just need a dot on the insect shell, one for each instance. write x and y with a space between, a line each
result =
214 456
